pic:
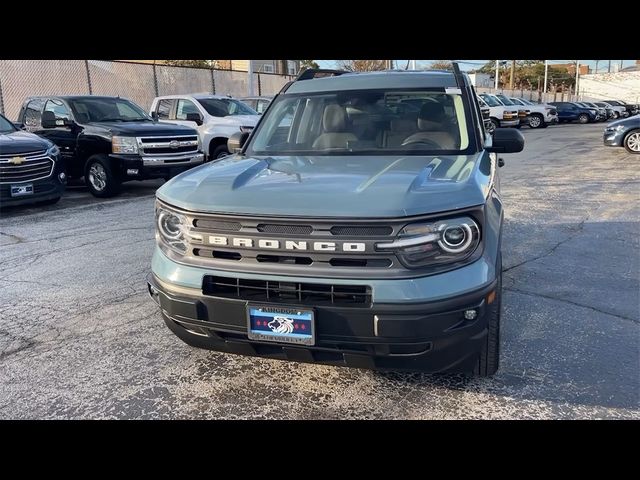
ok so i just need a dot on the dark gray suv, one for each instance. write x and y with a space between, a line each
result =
358 225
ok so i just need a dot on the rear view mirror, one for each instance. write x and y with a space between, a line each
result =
194 117
49 120
506 140
237 141
154 115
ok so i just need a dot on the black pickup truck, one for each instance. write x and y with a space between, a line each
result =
110 140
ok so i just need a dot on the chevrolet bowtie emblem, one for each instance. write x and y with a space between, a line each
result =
17 160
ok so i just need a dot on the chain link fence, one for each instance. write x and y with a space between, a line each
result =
139 82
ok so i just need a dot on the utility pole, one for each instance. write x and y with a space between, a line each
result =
412 65
250 79
597 62
577 77
609 69
497 72
513 73
546 75
621 62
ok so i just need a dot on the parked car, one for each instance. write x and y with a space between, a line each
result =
259 104
501 116
31 170
608 108
624 133
618 110
539 115
522 113
570 112
215 117
314 243
601 113
602 110
486 115
110 140
629 109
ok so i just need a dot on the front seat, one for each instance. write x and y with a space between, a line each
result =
435 127
334 126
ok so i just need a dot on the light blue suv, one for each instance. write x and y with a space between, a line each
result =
359 225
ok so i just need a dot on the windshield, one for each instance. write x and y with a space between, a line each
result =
6 126
505 100
89 109
526 102
375 121
223 107
491 101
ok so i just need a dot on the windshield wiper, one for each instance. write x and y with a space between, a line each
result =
110 120
138 120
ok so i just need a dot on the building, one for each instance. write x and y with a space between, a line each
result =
282 67
482 80
570 68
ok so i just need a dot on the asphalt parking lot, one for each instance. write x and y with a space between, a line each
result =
80 338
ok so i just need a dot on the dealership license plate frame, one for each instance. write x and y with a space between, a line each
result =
21 190
282 310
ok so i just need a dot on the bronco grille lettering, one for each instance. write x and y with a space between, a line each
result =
295 245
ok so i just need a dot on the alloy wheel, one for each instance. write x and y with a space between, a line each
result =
633 142
97 177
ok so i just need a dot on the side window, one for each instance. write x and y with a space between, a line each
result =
184 107
163 109
33 114
58 108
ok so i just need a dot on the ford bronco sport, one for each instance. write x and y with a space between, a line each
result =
359 224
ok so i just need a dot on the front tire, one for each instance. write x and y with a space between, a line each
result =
616 115
583 118
495 124
219 152
100 178
489 359
536 121
632 142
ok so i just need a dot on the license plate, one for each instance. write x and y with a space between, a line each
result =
20 190
281 324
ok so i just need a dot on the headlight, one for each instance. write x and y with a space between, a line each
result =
124 145
170 229
435 243
53 151
619 127
593 111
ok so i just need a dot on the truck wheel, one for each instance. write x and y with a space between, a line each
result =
536 121
219 152
632 142
99 177
583 118
495 124
616 114
489 359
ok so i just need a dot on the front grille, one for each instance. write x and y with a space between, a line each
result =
287 292
217 225
33 166
285 229
171 145
361 231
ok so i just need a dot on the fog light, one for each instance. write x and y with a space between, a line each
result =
132 171
470 314
62 177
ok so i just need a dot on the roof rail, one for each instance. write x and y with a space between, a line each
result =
311 73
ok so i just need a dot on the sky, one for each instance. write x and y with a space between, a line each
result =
471 64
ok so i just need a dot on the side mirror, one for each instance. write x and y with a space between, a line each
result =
154 115
506 140
237 141
49 120
194 117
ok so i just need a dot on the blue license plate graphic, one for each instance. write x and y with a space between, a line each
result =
281 324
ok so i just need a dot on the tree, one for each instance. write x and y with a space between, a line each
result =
191 63
308 64
440 65
362 65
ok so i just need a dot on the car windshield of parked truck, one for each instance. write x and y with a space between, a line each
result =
505 100
224 107
491 101
6 126
353 122
88 110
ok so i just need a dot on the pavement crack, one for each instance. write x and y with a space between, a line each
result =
564 300
577 231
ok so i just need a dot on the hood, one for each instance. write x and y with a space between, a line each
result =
144 128
332 186
635 120
22 142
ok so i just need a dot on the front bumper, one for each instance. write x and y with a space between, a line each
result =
510 123
613 139
136 167
412 324
44 189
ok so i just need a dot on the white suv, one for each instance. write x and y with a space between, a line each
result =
215 117
540 114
